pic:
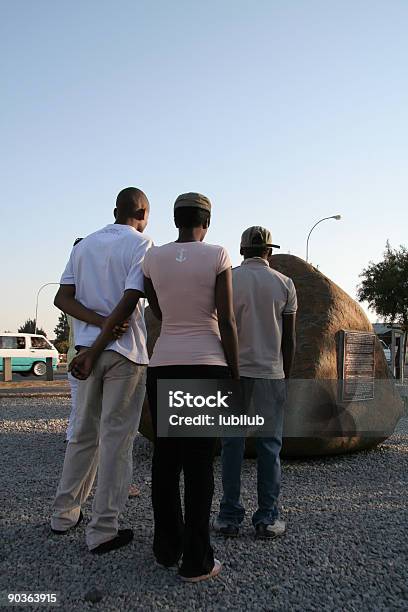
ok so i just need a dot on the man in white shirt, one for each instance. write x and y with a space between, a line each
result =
103 270
265 307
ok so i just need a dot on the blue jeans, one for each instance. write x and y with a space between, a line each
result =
263 396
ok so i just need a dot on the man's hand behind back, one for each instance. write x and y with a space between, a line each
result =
82 365
120 329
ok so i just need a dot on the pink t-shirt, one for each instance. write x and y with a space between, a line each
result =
183 275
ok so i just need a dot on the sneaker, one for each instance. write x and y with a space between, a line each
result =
124 537
227 530
270 531
214 572
63 532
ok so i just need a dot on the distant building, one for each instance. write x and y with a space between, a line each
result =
394 337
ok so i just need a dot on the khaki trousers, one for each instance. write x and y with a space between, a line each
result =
109 405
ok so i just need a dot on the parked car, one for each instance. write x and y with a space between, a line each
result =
28 353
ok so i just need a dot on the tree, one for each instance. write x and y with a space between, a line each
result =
29 328
384 286
61 331
62 346
62 334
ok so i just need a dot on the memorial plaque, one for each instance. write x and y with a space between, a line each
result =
358 366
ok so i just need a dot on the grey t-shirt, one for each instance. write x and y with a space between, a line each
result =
261 297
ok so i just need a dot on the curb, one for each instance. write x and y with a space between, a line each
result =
35 394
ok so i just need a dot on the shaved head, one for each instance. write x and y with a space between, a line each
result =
132 208
129 201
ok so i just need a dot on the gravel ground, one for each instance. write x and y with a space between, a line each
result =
345 548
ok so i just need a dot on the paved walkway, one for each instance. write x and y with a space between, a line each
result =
29 388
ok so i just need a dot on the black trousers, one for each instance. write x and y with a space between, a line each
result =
174 536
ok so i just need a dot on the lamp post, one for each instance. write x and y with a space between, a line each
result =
36 302
337 217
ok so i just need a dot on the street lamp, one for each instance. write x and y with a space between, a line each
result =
36 303
337 217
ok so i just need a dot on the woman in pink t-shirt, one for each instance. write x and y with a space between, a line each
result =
189 287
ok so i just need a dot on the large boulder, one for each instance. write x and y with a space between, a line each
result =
317 420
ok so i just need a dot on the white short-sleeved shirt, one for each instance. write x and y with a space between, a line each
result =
261 297
102 266
184 275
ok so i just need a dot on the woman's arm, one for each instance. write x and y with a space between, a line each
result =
152 298
81 366
226 320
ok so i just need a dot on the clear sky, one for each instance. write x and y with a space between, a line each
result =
282 112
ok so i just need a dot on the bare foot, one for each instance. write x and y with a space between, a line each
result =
133 491
214 572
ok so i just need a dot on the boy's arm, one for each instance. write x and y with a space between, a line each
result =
82 364
288 341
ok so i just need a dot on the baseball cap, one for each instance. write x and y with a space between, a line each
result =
257 236
193 200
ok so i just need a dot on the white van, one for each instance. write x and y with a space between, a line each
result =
28 353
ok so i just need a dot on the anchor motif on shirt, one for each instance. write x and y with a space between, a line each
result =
180 255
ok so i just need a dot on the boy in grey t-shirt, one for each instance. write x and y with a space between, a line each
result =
265 307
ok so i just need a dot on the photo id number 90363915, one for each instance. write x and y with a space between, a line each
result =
22 598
